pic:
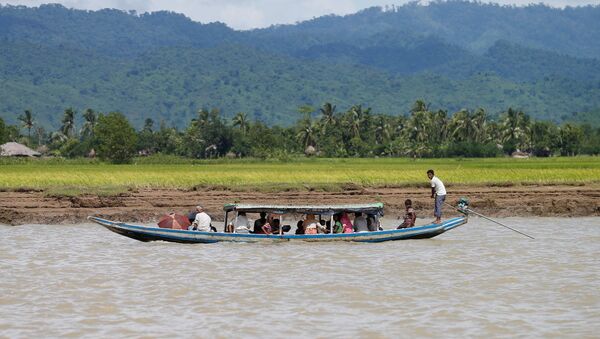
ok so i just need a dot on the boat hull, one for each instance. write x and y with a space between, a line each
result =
143 233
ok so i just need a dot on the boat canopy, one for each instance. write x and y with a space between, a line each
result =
375 208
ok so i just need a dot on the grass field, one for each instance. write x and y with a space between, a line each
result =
71 177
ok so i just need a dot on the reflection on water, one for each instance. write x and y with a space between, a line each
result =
477 280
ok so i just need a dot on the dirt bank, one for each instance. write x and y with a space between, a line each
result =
34 207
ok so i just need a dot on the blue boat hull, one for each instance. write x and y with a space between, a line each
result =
143 233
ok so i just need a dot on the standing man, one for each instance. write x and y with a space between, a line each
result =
202 220
438 192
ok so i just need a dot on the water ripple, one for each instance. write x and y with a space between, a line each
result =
478 280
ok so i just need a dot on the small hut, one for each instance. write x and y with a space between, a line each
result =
520 155
13 149
310 151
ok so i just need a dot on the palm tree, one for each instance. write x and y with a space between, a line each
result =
515 128
510 125
148 125
415 149
202 119
419 106
525 122
463 128
27 119
419 126
87 130
328 119
400 125
68 122
493 131
391 148
382 130
40 132
480 125
241 120
58 137
357 117
439 126
367 121
418 133
307 133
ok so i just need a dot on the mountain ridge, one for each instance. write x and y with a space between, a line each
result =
165 66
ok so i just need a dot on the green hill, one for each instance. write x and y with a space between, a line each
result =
165 66
472 25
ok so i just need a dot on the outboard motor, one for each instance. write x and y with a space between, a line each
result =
463 205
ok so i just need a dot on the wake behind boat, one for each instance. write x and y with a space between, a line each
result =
285 212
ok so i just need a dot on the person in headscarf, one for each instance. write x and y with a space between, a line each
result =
347 223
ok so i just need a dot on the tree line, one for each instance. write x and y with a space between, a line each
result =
322 131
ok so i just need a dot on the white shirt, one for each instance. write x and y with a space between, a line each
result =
202 222
440 189
240 220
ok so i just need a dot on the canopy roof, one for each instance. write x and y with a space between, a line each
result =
375 208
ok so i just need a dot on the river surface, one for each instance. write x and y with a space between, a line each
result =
478 280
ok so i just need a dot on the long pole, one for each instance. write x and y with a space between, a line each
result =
492 220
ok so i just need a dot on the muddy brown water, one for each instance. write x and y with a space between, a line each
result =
478 280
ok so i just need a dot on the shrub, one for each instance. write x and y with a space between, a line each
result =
115 137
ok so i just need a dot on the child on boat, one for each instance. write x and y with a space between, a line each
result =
337 227
410 216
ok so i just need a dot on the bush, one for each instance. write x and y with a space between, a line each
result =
115 137
472 150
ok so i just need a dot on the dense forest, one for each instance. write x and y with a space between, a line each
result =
165 67
322 131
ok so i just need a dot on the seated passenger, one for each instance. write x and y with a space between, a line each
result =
337 224
275 224
346 223
202 221
373 223
300 227
409 216
259 223
266 228
321 229
309 219
229 228
310 224
360 223
311 228
241 223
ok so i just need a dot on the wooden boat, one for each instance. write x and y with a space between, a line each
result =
145 233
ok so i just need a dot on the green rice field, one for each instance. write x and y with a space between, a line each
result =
80 176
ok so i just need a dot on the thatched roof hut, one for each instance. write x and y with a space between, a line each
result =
520 155
13 149
310 151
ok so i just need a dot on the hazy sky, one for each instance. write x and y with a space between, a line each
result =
246 14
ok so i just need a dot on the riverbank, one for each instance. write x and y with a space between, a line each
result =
78 176
147 205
